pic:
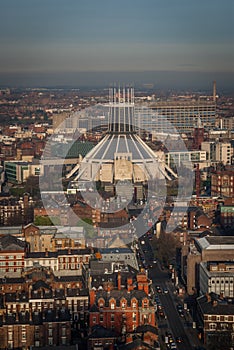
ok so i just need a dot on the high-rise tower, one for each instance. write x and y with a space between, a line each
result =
214 91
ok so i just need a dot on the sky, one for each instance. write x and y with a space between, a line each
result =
90 42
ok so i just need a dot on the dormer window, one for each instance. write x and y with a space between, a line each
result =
112 305
123 304
101 303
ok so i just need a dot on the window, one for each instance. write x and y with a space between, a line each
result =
212 326
224 326
112 306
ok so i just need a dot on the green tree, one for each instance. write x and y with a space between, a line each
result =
165 247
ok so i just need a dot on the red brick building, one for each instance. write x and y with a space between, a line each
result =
12 254
40 309
222 182
123 310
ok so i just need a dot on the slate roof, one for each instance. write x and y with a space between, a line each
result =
116 251
215 306
136 344
146 328
9 242
66 252
99 332
123 293
40 284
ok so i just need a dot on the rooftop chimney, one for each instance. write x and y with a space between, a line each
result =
92 295
119 281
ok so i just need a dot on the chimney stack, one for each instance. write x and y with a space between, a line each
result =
129 284
92 295
119 281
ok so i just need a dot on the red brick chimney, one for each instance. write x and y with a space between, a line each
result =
119 281
129 284
142 282
92 296
146 288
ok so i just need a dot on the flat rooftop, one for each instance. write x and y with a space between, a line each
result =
216 242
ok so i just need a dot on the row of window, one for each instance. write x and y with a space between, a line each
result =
226 318
123 304
10 257
223 326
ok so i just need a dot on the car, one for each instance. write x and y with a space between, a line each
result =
165 291
179 307
173 346
181 313
179 339
158 289
154 261
162 314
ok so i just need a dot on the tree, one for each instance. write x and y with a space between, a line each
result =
32 185
165 247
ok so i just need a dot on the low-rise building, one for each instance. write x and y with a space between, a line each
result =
63 262
222 182
217 318
40 309
12 256
205 249
123 309
217 277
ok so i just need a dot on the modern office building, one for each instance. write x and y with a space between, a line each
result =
217 277
183 115
185 157
205 249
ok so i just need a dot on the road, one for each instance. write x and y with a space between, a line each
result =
173 323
